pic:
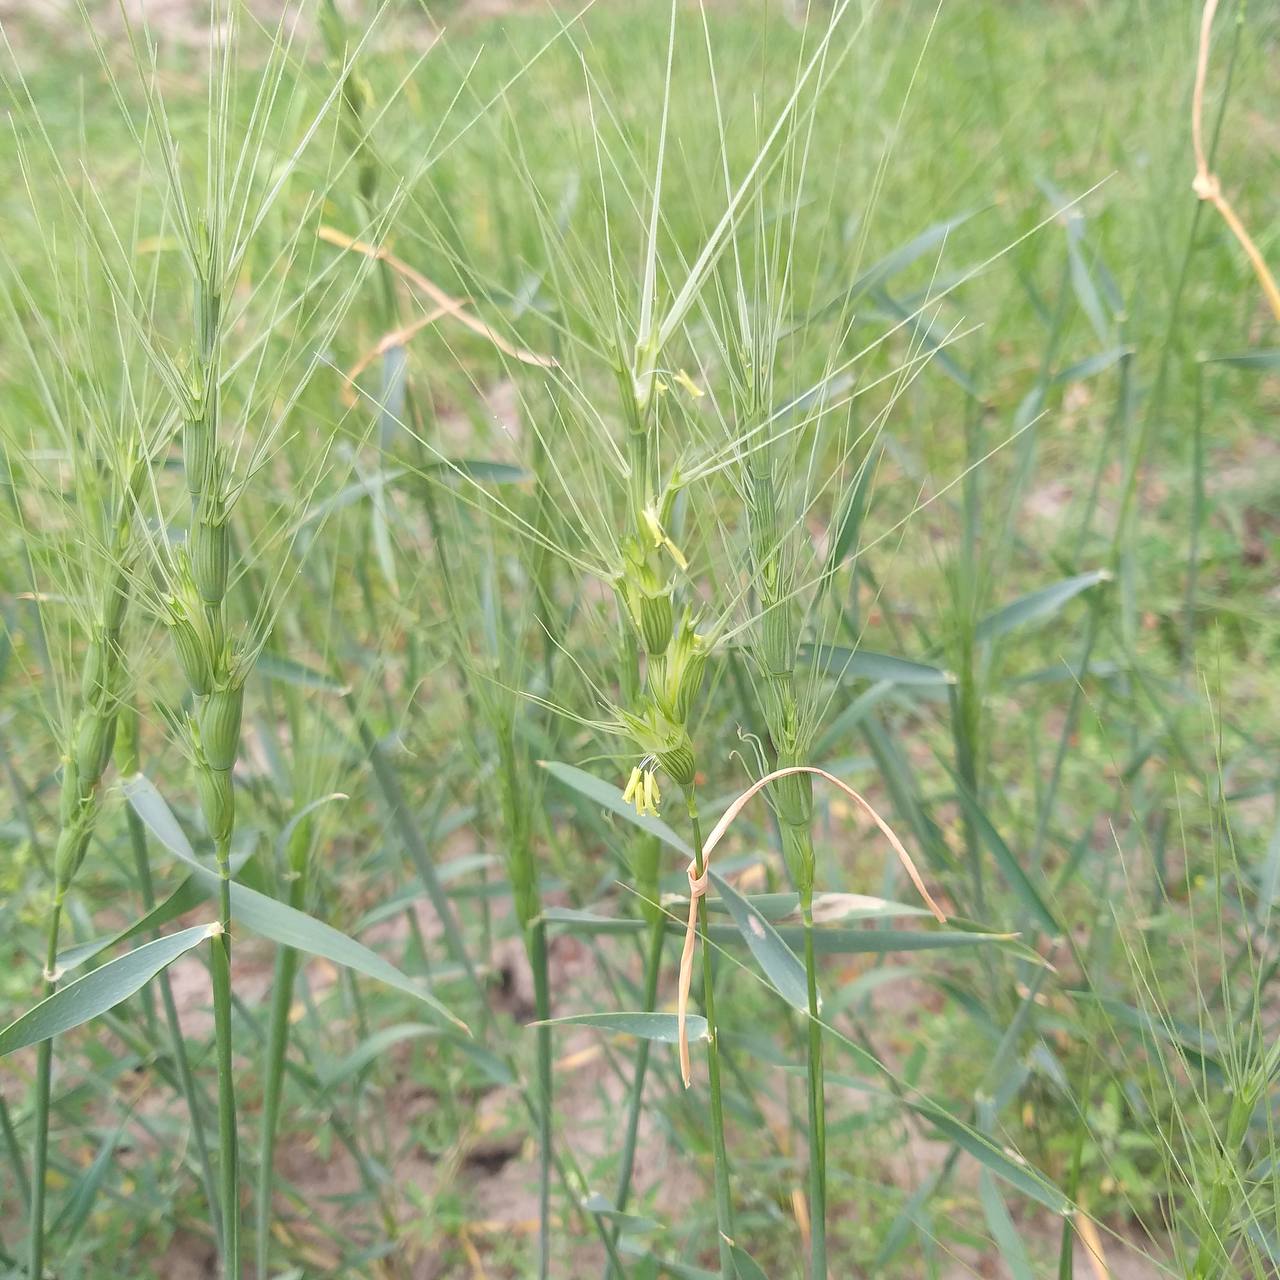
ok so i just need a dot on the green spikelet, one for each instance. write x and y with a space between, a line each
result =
217 801
127 739
220 724
192 648
197 453
95 671
211 549
94 740
677 677
70 795
679 763
73 843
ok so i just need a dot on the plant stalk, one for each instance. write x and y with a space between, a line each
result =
227 1135
817 1107
138 840
724 1201
44 1077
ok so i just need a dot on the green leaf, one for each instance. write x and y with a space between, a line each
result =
864 664
1091 366
748 1267
854 714
282 841
275 666
190 893
480 469
603 1207
667 1266
1006 1165
609 797
88 997
1268 360
75 1212
1038 605
931 238
187 896
588 922
926 336
662 1027
848 525
1010 868
372 1048
779 963
274 920
827 907
1003 1231
351 494
841 942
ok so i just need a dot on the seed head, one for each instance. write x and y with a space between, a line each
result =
116 602
662 740
94 674
675 680
127 739
69 796
218 802
793 794
679 763
220 723
211 549
73 843
191 644
647 599
94 740
197 449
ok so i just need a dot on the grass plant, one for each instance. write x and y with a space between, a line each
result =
452 468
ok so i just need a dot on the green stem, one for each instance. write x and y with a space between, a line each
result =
44 1076
537 945
724 1203
415 846
652 972
286 969
229 1153
817 1109
138 839
15 1154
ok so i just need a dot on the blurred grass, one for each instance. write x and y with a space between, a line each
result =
1166 800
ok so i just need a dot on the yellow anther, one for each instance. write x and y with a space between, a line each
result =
689 385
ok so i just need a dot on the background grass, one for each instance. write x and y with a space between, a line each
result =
1116 747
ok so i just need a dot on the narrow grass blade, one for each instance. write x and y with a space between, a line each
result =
588 922
864 664
370 1049
661 1027
75 1212
1010 867
275 920
783 968
1037 606
609 797
1266 360
276 666
1091 365
1006 1165
1003 1231
88 997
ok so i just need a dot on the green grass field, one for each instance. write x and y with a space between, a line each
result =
451 459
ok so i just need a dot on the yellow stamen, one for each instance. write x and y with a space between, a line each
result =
653 797
689 385
633 785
